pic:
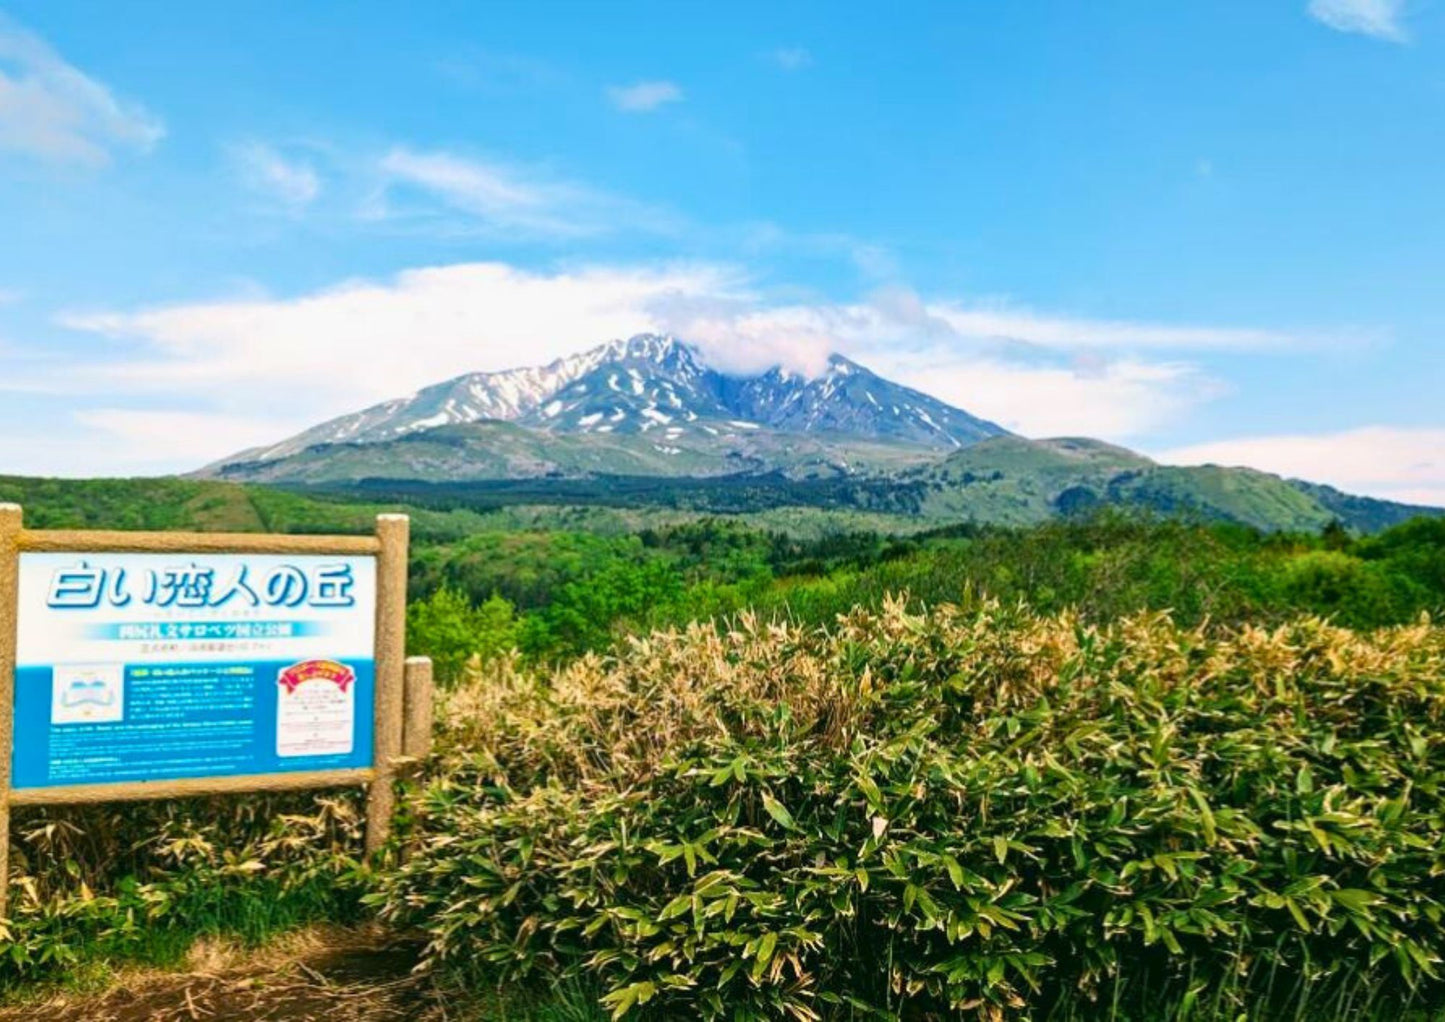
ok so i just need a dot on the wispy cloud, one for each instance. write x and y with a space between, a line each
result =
495 71
1397 463
499 197
896 319
1117 399
1006 324
790 58
53 111
1382 19
291 182
9 296
644 97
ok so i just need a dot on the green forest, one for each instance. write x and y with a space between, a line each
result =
553 595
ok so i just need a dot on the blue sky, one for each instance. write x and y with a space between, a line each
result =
1210 231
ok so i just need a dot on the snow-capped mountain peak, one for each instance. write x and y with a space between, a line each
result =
658 384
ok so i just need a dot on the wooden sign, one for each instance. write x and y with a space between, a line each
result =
162 665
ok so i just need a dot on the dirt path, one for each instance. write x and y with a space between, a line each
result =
316 976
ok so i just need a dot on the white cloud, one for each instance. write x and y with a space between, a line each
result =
1397 463
897 319
176 437
9 296
11 384
504 198
642 97
51 110
791 58
112 442
1117 400
1382 19
293 183
44 453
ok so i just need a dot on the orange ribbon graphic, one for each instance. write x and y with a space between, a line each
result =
313 670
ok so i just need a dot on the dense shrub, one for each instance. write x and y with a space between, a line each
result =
143 881
965 813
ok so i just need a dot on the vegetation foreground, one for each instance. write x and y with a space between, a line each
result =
828 802
974 812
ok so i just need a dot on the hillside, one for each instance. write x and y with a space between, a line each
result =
439 513
1364 513
1017 481
504 450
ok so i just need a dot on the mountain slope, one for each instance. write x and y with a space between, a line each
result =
505 396
490 450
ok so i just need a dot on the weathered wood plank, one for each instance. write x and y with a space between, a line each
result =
110 541
11 524
190 787
416 732
393 533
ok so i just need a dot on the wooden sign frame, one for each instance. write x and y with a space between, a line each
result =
394 674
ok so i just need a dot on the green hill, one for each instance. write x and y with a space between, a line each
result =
1012 480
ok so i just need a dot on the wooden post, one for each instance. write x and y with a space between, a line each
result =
416 734
12 520
393 532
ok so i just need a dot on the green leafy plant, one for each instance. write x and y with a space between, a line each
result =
982 813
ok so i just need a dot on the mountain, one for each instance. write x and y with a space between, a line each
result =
648 421
655 386
1364 513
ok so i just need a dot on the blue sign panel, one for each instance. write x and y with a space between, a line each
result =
158 667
